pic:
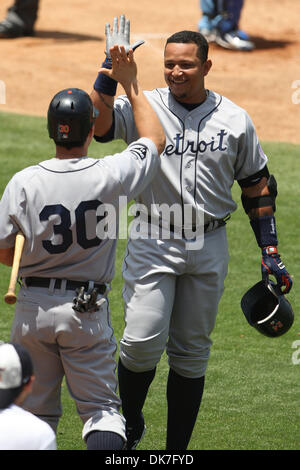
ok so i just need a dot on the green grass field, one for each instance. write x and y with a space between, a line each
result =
252 396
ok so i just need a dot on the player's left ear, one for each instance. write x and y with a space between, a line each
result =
207 66
91 132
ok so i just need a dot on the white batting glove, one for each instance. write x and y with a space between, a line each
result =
120 35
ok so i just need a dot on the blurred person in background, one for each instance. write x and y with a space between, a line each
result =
220 24
20 19
19 429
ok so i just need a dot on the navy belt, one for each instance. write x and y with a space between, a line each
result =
213 225
70 285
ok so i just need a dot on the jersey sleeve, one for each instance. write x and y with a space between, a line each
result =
250 155
124 124
135 167
11 205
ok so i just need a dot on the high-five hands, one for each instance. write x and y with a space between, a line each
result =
124 69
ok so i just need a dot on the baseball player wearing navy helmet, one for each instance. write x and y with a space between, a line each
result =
62 315
173 284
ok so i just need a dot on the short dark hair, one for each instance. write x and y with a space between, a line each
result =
188 37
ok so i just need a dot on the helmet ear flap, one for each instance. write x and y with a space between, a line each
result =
267 309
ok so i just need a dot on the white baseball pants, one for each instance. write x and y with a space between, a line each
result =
171 297
79 346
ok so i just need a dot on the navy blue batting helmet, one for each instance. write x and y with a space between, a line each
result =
267 309
71 115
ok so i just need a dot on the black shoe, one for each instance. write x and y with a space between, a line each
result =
9 30
135 433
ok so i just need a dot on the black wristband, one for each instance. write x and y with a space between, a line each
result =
105 84
264 229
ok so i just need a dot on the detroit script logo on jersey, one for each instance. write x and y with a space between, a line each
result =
182 145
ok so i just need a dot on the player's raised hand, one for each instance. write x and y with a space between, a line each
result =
119 35
124 69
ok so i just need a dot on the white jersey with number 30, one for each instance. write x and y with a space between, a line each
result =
62 205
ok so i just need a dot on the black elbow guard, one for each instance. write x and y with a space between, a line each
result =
262 201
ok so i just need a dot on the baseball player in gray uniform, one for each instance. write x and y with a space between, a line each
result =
62 313
173 284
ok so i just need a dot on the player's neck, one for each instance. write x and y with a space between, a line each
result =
76 152
192 100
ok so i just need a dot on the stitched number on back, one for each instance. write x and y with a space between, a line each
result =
84 206
63 230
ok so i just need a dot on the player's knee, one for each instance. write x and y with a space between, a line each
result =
140 356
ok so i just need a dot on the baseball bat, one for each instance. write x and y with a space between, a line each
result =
10 297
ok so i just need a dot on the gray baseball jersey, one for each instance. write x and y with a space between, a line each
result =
62 207
171 293
206 150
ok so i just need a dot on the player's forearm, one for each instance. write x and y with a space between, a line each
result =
146 120
260 189
104 104
124 71
259 204
6 256
260 212
103 96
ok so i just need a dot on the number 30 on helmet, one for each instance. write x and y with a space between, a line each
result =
267 309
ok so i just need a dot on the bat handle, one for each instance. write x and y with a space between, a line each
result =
10 297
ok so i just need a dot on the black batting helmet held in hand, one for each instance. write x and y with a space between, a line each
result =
267 309
71 115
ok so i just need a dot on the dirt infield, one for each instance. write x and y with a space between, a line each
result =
69 44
